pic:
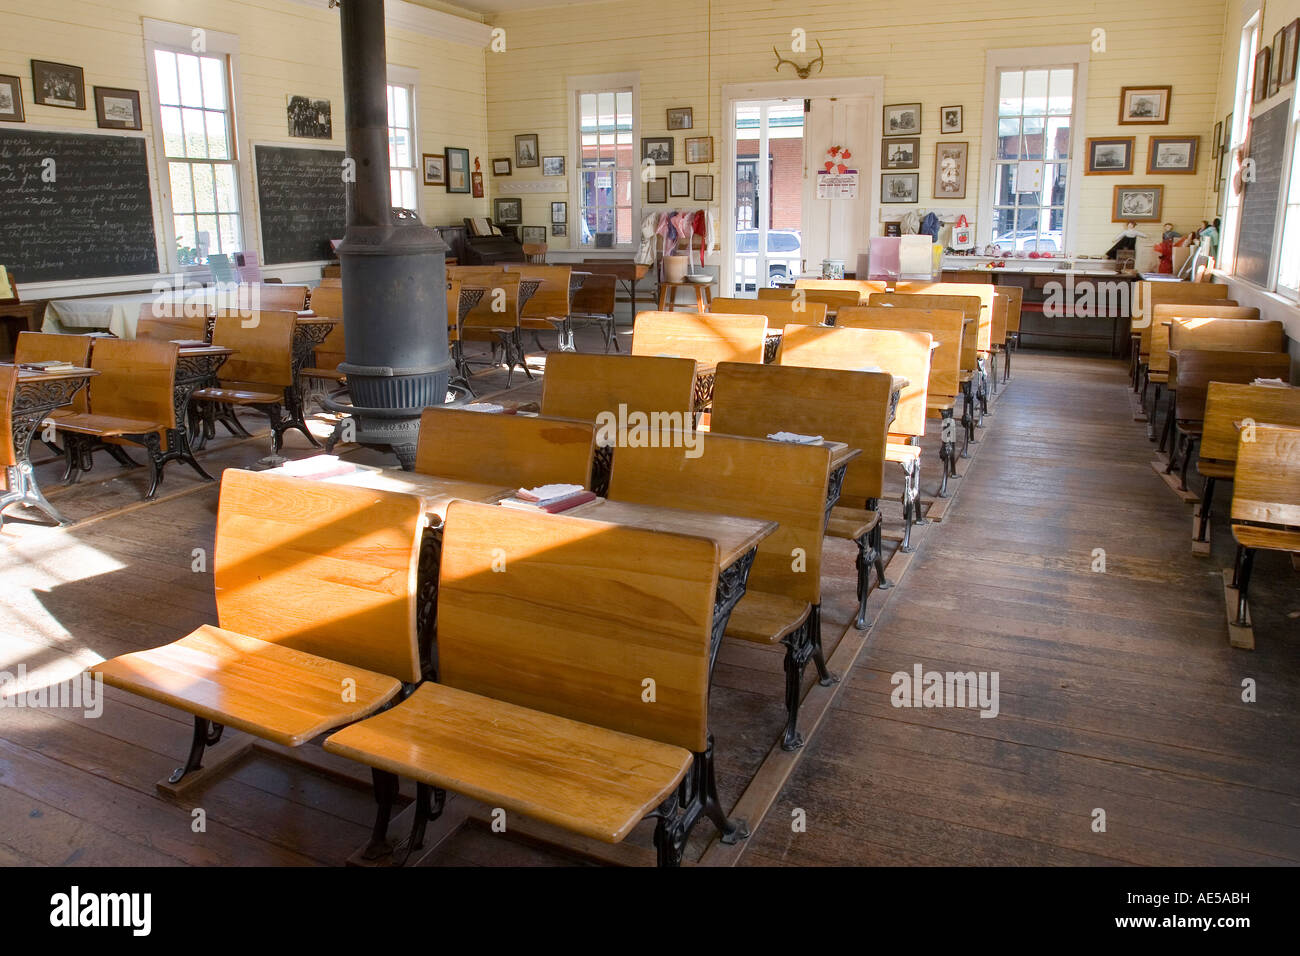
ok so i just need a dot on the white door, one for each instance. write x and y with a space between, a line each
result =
839 228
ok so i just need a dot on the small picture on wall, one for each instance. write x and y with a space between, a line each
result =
1172 154
435 169
1289 51
310 118
559 212
560 229
117 109
535 234
526 150
656 190
950 170
457 169
552 165
1147 105
501 167
699 149
900 187
682 117
703 188
1110 156
950 119
1275 65
679 183
903 153
657 148
508 212
58 84
1137 203
1262 72
476 181
11 100
902 119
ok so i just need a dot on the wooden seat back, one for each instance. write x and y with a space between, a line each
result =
863 287
1158 360
1226 335
779 312
169 326
327 301
969 305
581 385
328 282
906 354
517 451
1266 486
984 290
598 295
263 347
944 326
1197 368
707 338
51 347
551 300
453 310
1227 403
535 252
136 380
833 299
1151 294
1016 300
585 613
322 568
499 307
274 297
8 392
1001 318
839 405
747 478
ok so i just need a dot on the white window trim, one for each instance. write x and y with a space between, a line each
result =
590 83
1240 116
1077 56
409 77
160 34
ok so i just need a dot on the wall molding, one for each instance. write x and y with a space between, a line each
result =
399 15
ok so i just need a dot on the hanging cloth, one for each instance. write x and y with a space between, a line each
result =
645 253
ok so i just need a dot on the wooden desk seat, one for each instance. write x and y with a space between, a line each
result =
315 585
1015 307
1265 511
1151 294
549 307
708 338
517 451
273 297
256 376
496 316
538 707
51 347
862 287
770 481
833 299
596 302
171 323
779 312
327 301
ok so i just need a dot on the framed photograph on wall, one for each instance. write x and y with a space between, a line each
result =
435 169
679 183
552 165
656 190
58 84
476 182
1275 64
1144 105
950 169
657 148
559 212
535 234
902 119
1227 134
11 100
702 188
526 154
950 120
1108 156
560 229
117 109
1262 73
901 153
1172 154
457 169
1137 203
900 187
501 167
1289 51
681 117
507 212
310 118
699 149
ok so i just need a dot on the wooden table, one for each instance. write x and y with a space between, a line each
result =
668 302
38 394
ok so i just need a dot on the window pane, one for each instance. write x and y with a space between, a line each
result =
623 192
1061 98
1033 148
1027 222
1288 274
1002 177
401 114
207 235
226 191
191 86
182 190
214 83
228 227
1054 182
625 109
1011 93
205 190
1004 223
1008 138
173 138
196 134
217 138
587 109
168 91
1035 92
1058 137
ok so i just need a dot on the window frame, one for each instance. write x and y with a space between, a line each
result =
178 38
409 79
1032 58
1242 104
600 83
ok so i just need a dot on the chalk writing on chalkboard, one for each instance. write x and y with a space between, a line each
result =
75 206
1259 201
301 200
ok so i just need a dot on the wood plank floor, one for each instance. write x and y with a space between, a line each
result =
1118 690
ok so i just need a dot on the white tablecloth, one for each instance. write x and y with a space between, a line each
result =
118 314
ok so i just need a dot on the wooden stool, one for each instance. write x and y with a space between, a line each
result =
668 303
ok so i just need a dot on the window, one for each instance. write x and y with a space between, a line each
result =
1288 273
401 146
1240 122
607 167
193 96
1035 131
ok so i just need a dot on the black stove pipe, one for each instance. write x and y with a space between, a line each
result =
393 266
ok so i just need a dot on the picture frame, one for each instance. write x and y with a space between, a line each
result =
679 183
560 229
507 212
560 212
435 168
894 228
657 148
309 117
526 154
699 149
1218 138
552 165
1143 203
1227 134
535 234
457 169
1109 155
501 167
476 182
1175 155
702 188
58 84
951 120
1262 73
656 190
901 119
1144 105
1291 49
681 117
11 100
1275 62
903 152
950 168
900 188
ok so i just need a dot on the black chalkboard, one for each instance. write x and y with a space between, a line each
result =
86 214
1259 199
301 201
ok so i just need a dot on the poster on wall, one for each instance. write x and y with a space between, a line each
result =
835 180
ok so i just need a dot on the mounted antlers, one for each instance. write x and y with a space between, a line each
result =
802 71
